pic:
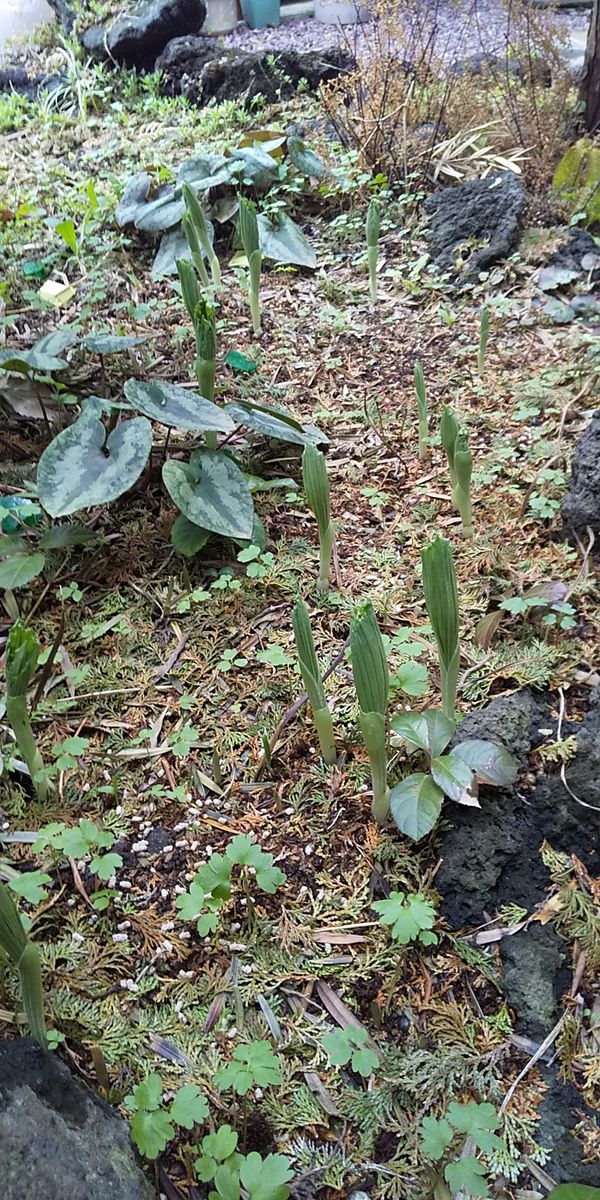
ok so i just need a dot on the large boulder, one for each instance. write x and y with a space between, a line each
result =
581 505
198 68
58 1140
136 40
476 222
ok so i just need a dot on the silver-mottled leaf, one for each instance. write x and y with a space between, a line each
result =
274 424
285 242
211 492
174 245
133 199
178 407
305 159
82 467
186 537
111 343
162 213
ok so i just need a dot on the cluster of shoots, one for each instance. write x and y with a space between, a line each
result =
441 600
251 245
484 333
313 682
460 466
421 392
198 239
24 954
373 229
316 490
372 684
22 653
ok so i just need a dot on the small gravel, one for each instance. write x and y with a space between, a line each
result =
457 29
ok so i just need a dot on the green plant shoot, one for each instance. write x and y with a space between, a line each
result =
22 653
196 232
372 683
441 599
463 467
250 242
484 333
313 682
421 391
25 956
316 487
448 435
373 230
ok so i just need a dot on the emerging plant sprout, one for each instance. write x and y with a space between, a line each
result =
441 599
373 229
421 391
463 467
448 435
316 487
250 242
372 683
22 652
484 333
25 956
313 682
196 232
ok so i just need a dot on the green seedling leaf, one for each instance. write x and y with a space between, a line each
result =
455 778
349 1045
106 865
266 1179
467 1175
83 467
254 1065
147 1094
574 1191
436 1136
415 805
429 731
151 1131
478 1121
409 915
189 1107
246 852
211 492
66 230
411 678
191 903
30 886
176 406
227 1181
492 763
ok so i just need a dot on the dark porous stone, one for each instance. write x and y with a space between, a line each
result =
484 63
58 1140
581 505
16 79
575 245
560 1110
137 39
511 721
65 11
198 68
534 975
479 218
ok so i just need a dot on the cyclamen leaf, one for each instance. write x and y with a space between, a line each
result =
455 778
176 406
491 762
83 467
211 491
415 805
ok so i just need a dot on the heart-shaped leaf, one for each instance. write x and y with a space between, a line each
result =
273 423
305 159
204 170
491 762
211 492
133 199
108 343
162 213
285 242
20 569
454 777
253 166
186 537
82 467
415 805
178 407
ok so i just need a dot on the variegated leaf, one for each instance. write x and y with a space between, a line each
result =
176 406
82 467
211 491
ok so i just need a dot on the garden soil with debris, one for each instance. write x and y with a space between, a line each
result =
177 678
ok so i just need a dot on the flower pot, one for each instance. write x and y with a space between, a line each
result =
221 16
259 13
340 12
